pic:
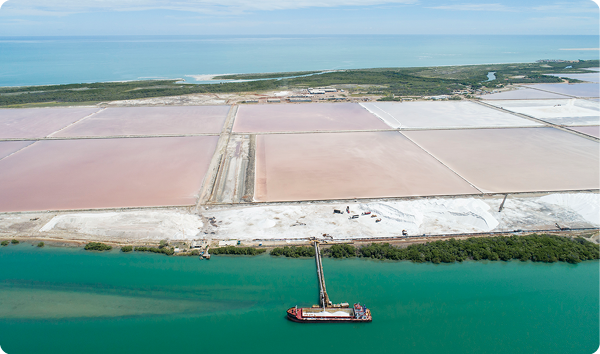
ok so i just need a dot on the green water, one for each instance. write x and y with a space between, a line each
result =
72 301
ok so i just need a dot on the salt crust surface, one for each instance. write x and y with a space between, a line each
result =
293 167
105 173
300 221
10 147
591 77
522 94
305 117
39 122
415 216
592 130
122 121
150 225
513 160
445 114
577 90
586 205
564 112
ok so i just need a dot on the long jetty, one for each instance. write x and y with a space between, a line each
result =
323 297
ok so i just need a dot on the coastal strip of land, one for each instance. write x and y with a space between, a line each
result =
381 83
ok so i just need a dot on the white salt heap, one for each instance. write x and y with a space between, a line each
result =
585 204
141 225
288 221
307 220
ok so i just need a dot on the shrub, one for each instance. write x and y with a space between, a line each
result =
534 247
4 243
126 248
40 245
14 242
242 251
164 250
341 251
293 251
97 246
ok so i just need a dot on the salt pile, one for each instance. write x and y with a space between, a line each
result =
130 224
431 216
585 204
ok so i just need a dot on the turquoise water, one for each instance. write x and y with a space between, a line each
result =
71 301
60 60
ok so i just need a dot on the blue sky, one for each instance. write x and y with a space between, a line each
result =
272 17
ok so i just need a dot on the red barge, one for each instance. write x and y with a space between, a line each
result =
358 313
326 311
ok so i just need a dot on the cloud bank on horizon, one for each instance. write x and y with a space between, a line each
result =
268 5
174 17
192 5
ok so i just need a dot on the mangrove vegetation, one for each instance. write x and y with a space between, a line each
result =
293 251
163 250
534 247
97 246
242 251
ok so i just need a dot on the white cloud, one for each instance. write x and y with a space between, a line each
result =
568 7
2 3
474 7
190 5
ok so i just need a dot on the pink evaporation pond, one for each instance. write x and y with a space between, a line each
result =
38 122
445 114
592 130
305 117
516 160
522 94
574 90
10 147
348 165
125 121
105 173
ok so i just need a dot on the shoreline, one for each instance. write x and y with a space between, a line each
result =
327 247
210 77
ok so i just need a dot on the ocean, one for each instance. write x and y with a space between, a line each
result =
62 300
64 60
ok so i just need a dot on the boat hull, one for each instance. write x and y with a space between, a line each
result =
295 315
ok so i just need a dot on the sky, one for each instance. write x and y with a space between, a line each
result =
285 17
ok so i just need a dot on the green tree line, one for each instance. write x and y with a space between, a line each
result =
243 251
534 247
97 246
293 251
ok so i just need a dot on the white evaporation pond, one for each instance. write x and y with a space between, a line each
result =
591 77
563 112
443 114
522 94
573 90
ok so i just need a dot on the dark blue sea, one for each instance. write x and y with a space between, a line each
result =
62 60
